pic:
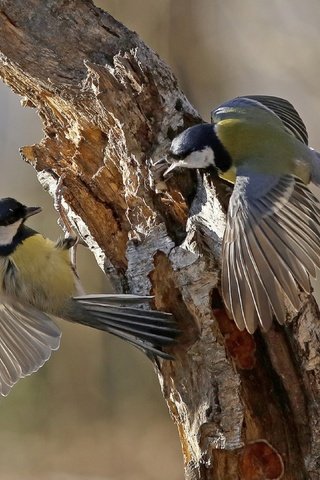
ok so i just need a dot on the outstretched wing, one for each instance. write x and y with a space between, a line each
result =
27 338
271 244
286 112
283 109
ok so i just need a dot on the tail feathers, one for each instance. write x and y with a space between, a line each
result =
116 299
146 329
142 344
130 313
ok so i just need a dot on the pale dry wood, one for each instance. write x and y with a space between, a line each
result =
245 407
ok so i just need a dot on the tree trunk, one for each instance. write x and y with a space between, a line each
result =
246 407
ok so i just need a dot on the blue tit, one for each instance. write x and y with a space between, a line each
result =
271 243
37 281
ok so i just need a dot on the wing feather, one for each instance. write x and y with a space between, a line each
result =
259 296
271 246
286 112
276 106
27 338
235 291
283 276
269 278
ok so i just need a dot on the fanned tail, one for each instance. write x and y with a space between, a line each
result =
146 329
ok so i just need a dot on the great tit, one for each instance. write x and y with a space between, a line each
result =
37 281
272 239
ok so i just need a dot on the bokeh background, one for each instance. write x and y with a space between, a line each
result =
95 411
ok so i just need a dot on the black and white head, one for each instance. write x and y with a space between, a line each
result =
12 215
198 147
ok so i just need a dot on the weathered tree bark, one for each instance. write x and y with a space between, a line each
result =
246 407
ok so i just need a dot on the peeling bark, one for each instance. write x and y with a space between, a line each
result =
246 407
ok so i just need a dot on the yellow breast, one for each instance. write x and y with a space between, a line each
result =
43 275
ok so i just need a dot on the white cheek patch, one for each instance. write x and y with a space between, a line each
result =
7 232
200 159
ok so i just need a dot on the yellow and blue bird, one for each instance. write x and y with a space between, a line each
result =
272 239
38 281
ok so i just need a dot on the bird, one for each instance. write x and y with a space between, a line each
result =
271 244
38 282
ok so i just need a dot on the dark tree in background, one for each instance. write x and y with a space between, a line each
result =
246 407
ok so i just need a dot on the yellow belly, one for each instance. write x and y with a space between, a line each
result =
41 274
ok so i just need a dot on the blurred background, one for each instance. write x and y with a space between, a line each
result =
95 411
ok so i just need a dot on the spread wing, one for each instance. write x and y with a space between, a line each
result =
271 244
286 112
27 337
283 109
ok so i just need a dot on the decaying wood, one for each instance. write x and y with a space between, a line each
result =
245 407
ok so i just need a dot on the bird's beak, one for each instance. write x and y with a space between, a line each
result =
30 211
173 166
